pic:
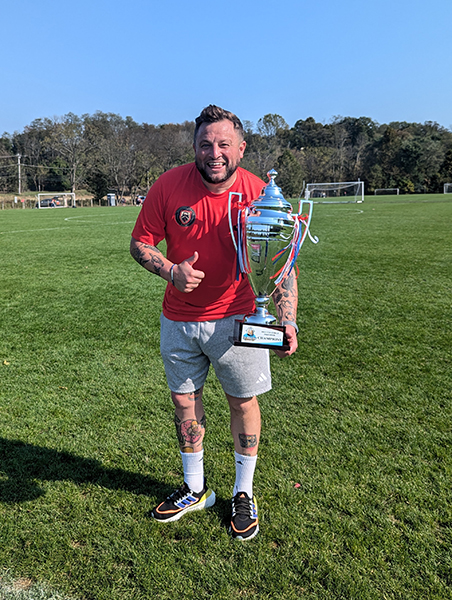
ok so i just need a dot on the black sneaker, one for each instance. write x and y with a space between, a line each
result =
183 501
244 521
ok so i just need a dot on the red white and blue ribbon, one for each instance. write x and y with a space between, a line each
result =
300 232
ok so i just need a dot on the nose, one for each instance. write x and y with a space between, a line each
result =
215 150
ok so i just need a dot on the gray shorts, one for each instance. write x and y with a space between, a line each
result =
189 348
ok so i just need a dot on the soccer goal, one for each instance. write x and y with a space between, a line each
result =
55 200
335 193
448 188
386 191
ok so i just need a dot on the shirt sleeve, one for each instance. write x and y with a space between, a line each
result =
150 226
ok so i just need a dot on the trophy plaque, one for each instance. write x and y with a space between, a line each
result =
269 238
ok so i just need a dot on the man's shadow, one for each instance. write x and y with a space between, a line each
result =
23 465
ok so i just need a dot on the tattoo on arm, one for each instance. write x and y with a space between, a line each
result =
148 257
285 298
247 441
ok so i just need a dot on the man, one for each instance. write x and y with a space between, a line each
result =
188 206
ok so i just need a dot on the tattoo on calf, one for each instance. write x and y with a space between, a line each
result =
247 441
189 431
194 396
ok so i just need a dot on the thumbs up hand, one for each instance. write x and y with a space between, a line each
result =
185 277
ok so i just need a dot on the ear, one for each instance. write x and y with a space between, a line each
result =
242 147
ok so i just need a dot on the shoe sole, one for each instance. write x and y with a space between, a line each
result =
245 539
207 503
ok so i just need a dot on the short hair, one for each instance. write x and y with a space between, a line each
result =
213 114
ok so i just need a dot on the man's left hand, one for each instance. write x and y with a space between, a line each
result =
291 335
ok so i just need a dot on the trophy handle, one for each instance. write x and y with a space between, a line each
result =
231 227
314 239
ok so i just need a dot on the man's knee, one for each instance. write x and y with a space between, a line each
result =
243 405
186 401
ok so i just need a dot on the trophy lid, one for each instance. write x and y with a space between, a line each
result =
271 196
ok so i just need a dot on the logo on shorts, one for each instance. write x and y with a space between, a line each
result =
185 216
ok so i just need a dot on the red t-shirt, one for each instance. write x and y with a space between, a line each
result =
181 210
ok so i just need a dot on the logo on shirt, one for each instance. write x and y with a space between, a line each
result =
185 216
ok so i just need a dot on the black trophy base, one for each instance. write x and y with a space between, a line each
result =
253 335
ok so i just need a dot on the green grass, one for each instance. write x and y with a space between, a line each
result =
355 463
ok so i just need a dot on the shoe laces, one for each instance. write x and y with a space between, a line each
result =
181 493
242 505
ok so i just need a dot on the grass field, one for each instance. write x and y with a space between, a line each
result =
355 464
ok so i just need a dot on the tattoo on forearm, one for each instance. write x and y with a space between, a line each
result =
285 298
247 441
147 260
189 432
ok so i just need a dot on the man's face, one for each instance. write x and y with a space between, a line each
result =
218 151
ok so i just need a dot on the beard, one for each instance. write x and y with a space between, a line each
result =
230 170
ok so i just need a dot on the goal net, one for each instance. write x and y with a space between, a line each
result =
55 200
386 191
448 188
335 193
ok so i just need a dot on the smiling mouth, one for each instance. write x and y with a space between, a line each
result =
216 165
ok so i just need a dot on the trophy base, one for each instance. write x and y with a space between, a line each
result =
253 335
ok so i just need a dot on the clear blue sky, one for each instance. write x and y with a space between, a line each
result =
162 62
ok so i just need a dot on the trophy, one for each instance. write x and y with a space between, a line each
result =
269 238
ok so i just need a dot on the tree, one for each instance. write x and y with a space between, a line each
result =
272 126
316 163
265 146
71 144
97 183
35 145
309 134
107 152
174 145
290 174
111 162
388 149
446 167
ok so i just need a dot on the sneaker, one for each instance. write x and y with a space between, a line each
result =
181 502
244 521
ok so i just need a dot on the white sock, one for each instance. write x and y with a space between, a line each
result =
244 474
193 464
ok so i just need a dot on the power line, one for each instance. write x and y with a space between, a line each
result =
26 166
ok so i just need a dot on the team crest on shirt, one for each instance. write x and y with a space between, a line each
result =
185 216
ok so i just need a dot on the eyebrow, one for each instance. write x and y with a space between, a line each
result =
224 140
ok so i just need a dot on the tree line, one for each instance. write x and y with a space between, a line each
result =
105 152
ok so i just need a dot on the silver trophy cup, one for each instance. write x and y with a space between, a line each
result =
268 227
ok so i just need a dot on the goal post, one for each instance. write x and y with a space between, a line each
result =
448 188
340 192
55 200
386 191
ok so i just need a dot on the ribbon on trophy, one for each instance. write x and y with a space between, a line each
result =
269 239
294 246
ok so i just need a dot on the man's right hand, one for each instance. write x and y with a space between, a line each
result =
185 277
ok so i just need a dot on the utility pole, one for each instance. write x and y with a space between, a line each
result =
18 167
19 156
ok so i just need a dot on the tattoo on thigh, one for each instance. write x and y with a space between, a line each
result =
189 431
247 441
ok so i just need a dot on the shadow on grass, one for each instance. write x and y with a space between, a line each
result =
23 465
